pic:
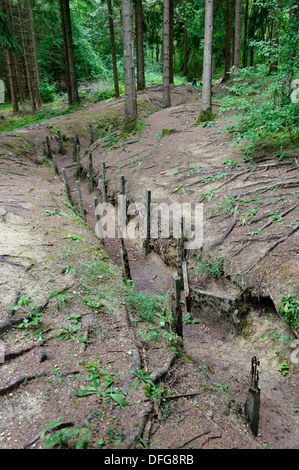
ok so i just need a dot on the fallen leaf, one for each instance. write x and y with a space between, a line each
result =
211 369
163 173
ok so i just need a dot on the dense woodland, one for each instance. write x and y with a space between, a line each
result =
50 48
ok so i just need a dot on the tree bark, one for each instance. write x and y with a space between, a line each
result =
237 51
10 65
245 54
171 48
33 53
206 103
65 54
166 54
139 46
26 57
129 69
113 51
70 51
228 40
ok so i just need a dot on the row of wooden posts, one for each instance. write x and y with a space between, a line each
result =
179 281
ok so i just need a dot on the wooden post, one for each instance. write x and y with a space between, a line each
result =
181 252
176 305
186 286
103 183
67 187
147 224
122 185
81 205
74 150
252 405
90 134
49 151
99 227
91 185
78 173
60 143
55 165
44 150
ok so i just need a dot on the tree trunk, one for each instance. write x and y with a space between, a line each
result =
139 46
17 67
70 51
26 57
237 51
129 70
10 64
206 103
185 49
65 54
166 54
276 37
113 51
33 53
245 54
228 40
171 50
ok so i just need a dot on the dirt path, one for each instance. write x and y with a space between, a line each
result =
160 163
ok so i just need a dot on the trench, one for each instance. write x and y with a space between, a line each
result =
221 354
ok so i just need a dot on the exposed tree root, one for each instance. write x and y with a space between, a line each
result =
146 411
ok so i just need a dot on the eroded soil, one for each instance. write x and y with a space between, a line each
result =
45 248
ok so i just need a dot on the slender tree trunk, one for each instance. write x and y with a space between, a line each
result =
139 46
15 58
166 54
206 103
10 64
31 36
129 69
171 49
65 54
113 50
26 57
70 49
185 49
245 34
228 40
237 51
276 38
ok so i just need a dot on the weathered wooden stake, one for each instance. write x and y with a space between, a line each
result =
176 305
78 173
122 185
181 252
91 184
81 205
49 151
90 134
252 405
67 187
74 150
124 259
186 286
60 142
99 227
44 150
103 183
147 224
55 164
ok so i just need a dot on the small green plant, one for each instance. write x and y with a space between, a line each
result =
187 319
49 213
31 321
95 375
215 269
290 310
66 438
283 368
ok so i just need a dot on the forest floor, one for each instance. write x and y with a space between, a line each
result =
140 386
